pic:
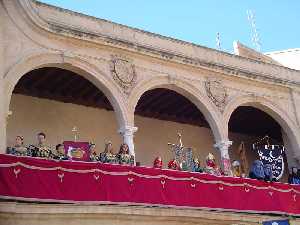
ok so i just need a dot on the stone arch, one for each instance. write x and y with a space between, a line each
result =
84 68
191 92
272 109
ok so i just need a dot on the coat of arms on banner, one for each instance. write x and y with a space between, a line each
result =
272 155
77 150
217 92
123 72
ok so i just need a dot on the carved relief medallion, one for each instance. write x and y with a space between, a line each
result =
123 72
217 92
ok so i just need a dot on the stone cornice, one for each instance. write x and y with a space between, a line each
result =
158 213
181 52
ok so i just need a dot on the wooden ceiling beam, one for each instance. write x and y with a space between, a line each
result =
40 79
158 102
64 88
85 92
96 92
61 79
144 102
82 85
169 103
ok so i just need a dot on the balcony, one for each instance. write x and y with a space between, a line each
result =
49 181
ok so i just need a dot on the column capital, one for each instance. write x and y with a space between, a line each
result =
223 145
127 130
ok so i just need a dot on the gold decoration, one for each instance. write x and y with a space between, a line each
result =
77 153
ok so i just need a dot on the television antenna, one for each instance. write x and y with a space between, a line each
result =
255 36
218 41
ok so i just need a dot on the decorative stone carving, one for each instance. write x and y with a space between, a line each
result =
123 72
217 92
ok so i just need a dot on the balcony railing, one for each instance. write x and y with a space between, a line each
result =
40 180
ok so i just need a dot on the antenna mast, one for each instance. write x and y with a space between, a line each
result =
255 36
218 41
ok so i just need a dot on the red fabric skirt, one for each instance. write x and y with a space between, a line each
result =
34 179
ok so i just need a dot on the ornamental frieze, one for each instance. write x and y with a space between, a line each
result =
123 72
217 92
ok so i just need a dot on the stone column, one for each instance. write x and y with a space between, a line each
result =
223 147
3 119
293 159
3 110
127 133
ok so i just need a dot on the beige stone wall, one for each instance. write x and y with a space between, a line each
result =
49 214
32 115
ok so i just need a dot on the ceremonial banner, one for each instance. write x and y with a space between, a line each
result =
273 155
77 150
42 180
276 222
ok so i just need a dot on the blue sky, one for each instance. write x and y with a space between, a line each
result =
198 21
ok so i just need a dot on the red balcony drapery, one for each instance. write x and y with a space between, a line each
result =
34 179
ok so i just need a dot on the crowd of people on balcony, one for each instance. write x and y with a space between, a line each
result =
258 170
42 150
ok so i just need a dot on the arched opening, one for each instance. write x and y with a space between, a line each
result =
250 125
159 114
54 99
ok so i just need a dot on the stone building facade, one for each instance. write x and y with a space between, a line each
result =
124 63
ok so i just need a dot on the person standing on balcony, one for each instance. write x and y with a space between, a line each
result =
294 177
173 165
211 166
123 156
196 167
94 157
41 149
236 169
60 153
257 170
158 163
18 149
108 155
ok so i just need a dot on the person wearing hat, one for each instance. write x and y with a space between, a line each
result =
158 163
236 169
173 165
211 166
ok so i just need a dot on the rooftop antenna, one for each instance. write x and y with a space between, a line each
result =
255 36
218 41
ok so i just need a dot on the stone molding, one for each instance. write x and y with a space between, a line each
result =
230 64
158 214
